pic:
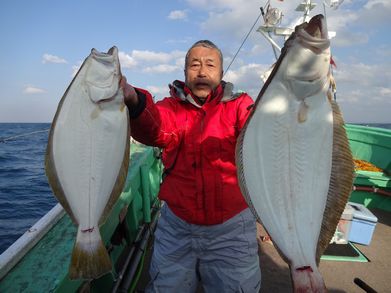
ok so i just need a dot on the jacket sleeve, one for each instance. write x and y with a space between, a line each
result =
153 124
244 109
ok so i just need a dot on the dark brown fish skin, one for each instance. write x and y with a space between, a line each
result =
341 181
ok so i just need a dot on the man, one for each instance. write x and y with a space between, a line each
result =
206 231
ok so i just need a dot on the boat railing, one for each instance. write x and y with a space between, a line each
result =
373 145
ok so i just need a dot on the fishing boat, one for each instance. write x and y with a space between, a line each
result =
39 260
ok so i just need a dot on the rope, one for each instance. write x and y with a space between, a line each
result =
5 139
237 52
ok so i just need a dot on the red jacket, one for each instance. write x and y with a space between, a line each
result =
198 143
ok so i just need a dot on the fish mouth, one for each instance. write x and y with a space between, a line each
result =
105 57
316 27
313 35
113 50
103 87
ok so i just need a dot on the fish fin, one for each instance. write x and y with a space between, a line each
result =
330 96
90 259
123 107
341 181
95 113
332 88
303 110
307 279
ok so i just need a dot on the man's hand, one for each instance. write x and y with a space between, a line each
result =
262 235
130 95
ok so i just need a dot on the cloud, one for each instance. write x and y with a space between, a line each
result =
177 14
158 91
183 40
151 56
376 3
47 58
363 91
376 12
340 19
229 21
385 92
162 68
365 75
153 62
346 39
126 60
162 57
147 61
247 78
220 5
358 103
358 25
383 51
33 90
180 61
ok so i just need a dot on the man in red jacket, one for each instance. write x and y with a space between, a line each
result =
206 231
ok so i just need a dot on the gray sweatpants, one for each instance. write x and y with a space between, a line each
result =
224 257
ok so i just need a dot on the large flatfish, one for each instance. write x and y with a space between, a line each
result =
87 156
294 162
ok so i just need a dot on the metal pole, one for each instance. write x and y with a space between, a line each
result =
130 269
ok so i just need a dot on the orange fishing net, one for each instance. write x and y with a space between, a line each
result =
365 166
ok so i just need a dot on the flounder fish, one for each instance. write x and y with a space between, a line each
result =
294 162
87 156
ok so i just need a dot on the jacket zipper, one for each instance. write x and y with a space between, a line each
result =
201 201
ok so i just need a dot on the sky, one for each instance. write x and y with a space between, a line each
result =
43 44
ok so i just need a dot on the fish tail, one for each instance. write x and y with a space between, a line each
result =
307 280
90 259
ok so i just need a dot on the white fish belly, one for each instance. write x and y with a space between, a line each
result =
286 167
88 150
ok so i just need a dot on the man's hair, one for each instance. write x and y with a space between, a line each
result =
206 44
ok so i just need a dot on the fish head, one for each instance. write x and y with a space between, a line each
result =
307 58
103 75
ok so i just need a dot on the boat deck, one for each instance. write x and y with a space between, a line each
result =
338 275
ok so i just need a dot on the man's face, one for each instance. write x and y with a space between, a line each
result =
203 71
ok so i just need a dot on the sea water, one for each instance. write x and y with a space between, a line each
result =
25 195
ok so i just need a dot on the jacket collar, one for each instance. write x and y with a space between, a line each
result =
224 92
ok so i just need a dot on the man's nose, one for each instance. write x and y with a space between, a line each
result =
202 70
